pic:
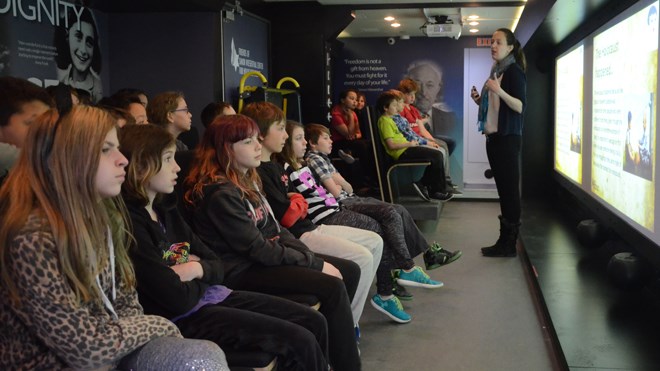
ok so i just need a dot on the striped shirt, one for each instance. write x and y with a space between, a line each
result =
321 202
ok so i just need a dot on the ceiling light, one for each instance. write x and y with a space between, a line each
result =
473 16
473 23
474 30
395 25
389 18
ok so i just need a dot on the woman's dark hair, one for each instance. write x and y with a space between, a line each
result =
63 57
517 48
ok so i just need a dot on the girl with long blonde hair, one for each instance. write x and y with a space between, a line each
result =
67 287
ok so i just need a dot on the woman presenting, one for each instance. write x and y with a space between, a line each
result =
501 106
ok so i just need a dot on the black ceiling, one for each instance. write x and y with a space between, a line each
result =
554 25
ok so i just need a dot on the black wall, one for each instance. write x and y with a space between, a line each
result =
538 134
300 33
158 52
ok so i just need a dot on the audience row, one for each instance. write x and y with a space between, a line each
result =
104 266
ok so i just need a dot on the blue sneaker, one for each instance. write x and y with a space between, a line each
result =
417 278
391 308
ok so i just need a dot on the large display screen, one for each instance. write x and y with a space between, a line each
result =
625 79
568 114
606 113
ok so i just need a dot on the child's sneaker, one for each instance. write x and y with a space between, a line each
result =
417 278
442 196
436 256
400 291
347 157
391 307
421 191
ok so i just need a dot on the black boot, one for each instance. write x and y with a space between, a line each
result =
506 243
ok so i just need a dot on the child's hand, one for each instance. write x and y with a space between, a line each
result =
188 271
331 270
413 143
193 258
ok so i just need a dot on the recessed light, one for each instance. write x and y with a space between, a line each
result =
474 23
473 16
474 30
389 18
395 25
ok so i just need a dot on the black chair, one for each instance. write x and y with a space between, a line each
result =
385 165
388 178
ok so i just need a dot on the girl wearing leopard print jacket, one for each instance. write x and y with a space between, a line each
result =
67 288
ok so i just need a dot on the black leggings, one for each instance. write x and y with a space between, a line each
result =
504 158
385 221
331 291
296 334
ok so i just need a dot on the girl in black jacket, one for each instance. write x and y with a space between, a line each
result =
234 219
180 278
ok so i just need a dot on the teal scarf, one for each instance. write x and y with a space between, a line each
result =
496 71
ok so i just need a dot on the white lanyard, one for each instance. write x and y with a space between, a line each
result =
106 301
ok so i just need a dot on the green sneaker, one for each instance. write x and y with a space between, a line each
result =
436 256
417 278
391 308
401 292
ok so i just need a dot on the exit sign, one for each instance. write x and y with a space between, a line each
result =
484 41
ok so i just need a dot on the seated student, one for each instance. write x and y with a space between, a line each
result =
122 116
324 172
362 247
234 219
20 103
215 109
409 88
362 114
324 209
434 183
170 110
140 94
347 135
67 292
132 104
404 127
179 278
